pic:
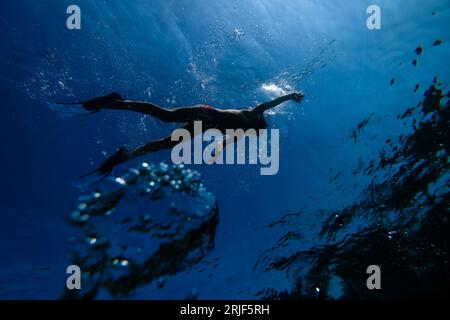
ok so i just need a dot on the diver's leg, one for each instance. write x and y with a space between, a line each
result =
153 146
116 102
163 114
180 115
195 113
124 154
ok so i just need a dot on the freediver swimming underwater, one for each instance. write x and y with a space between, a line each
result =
212 118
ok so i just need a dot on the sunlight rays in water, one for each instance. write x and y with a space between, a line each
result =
274 89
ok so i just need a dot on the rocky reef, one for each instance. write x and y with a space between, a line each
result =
399 222
144 226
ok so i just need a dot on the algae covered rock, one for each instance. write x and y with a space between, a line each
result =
152 222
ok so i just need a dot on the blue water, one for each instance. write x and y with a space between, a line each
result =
225 54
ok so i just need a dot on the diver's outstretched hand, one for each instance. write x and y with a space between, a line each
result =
297 96
96 103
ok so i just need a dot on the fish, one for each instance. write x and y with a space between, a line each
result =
419 50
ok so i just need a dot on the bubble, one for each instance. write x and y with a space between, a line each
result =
120 181
75 214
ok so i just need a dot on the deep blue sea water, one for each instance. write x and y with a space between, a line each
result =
228 54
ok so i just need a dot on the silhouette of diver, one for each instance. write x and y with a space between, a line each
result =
212 118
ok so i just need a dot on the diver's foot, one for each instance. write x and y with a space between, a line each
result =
96 103
117 158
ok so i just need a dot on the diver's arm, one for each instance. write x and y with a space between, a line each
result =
297 97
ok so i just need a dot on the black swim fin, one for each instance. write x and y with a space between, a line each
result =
82 114
102 178
89 174
93 104
69 103
86 114
105 175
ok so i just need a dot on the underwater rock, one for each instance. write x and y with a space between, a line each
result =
144 226
400 222
433 97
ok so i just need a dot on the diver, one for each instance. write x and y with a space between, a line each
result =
212 118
